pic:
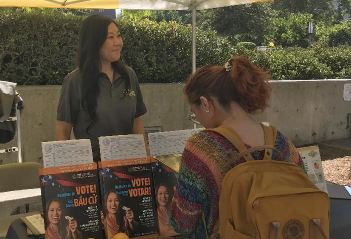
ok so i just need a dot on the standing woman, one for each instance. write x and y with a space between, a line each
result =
220 96
102 97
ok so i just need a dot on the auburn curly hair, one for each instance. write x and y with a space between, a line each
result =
245 84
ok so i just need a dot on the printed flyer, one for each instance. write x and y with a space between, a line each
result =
71 202
165 180
127 198
313 165
167 148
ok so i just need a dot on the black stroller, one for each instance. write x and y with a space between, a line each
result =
11 105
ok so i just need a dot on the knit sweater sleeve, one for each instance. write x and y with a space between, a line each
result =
187 203
288 150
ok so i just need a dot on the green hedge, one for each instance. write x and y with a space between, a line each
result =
303 64
294 64
161 52
290 31
337 58
334 35
39 49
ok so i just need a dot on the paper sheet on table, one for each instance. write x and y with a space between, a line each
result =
67 152
168 143
122 147
35 223
313 165
348 189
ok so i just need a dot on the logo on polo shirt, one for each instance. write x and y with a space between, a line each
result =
129 92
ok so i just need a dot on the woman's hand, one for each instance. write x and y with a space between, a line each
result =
72 224
129 215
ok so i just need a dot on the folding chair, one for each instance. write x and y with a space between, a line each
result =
11 105
17 176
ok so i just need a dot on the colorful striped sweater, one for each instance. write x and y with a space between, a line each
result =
202 170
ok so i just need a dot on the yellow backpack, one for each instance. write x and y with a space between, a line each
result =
269 199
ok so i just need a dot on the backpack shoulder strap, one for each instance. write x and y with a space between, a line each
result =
234 138
270 136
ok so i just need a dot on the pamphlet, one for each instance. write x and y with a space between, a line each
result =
165 181
167 149
71 202
35 223
128 201
313 165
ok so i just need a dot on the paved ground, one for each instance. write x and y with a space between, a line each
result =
335 148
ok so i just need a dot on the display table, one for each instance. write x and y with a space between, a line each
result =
340 211
10 201
18 230
340 219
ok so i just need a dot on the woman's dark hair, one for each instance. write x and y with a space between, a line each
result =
119 213
243 83
170 192
92 36
62 221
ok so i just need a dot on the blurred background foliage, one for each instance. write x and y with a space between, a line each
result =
38 46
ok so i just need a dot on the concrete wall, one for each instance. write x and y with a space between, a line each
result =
305 111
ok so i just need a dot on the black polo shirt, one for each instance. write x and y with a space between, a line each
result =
115 110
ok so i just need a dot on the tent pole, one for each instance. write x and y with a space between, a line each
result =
193 15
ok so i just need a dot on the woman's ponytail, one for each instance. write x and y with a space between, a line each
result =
251 83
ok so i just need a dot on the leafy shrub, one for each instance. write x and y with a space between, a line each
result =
333 35
161 52
340 34
290 64
290 31
246 45
37 49
40 49
296 64
337 58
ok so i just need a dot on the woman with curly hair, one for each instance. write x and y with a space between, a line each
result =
223 96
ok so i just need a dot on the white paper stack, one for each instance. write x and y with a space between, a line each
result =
67 152
122 147
168 143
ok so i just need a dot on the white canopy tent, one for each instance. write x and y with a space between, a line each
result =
190 5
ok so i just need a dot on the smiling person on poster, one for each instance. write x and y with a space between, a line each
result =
220 96
116 218
102 97
164 195
58 226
